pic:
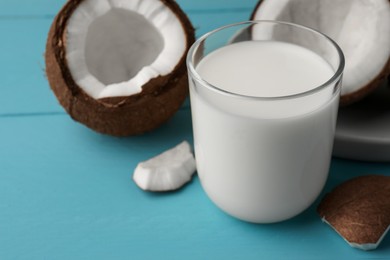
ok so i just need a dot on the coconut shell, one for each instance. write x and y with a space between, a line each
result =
353 97
160 98
359 209
362 91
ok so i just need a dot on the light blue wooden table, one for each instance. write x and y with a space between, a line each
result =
66 192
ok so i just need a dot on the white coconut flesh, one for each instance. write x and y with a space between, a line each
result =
114 47
360 27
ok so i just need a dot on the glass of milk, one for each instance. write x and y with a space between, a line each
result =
264 100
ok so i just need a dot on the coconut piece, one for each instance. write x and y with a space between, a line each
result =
118 66
359 210
167 171
360 27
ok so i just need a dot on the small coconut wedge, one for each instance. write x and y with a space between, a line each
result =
359 210
167 171
118 66
360 27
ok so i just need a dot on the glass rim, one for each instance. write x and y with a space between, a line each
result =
191 69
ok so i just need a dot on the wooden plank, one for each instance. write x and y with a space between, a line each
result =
201 21
30 8
67 193
34 8
24 88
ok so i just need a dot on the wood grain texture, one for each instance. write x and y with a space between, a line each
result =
66 192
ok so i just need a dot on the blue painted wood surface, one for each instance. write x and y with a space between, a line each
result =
66 192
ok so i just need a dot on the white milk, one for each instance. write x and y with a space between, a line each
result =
263 160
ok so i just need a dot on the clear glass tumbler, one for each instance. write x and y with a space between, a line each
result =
263 157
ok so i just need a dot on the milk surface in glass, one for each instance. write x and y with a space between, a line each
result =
263 160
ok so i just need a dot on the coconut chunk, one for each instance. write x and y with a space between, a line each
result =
114 47
360 27
359 210
167 171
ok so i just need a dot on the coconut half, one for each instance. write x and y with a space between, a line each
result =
360 27
118 66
